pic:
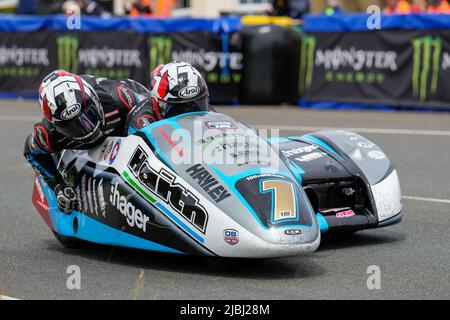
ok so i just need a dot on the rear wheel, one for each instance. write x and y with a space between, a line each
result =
68 242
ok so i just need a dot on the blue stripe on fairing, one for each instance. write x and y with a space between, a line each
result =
297 170
180 223
92 230
38 165
319 142
323 224
277 140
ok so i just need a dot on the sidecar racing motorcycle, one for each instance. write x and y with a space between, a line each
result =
151 190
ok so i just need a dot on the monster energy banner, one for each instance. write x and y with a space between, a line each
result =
390 67
108 54
26 57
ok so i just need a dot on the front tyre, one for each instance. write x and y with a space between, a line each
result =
68 242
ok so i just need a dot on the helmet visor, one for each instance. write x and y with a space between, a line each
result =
175 109
85 127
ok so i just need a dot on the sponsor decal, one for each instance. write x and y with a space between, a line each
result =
94 196
134 216
263 175
160 51
189 92
101 198
71 111
366 144
89 194
311 157
83 191
296 151
293 232
231 236
208 183
114 152
376 154
106 150
22 57
40 190
68 53
426 61
345 214
349 65
221 125
210 139
98 61
163 185
339 212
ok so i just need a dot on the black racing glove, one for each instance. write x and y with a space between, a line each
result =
66 198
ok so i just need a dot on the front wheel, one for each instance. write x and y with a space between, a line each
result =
68 242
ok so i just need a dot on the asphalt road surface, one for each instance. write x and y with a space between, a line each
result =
413 257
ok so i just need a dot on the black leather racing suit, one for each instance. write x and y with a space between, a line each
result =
117 97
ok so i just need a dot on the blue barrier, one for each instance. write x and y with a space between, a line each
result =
28 23
358 22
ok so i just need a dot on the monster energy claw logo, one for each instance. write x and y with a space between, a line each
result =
68 53
427 60
307 62
160 50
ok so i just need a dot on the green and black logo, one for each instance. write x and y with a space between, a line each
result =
426 64
308 49
160 49
68 53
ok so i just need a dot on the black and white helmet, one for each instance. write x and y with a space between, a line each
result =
72 106
178 88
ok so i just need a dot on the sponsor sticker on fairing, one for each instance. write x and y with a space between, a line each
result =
345 214
376 155
221 125
114 152
293 232
231 236
134 216
40 190
311 156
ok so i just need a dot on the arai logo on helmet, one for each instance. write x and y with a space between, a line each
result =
71 111
189 92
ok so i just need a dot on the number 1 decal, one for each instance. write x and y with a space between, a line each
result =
284 204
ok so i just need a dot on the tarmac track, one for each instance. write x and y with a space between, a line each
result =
414 256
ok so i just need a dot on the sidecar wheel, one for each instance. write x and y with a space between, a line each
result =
68 242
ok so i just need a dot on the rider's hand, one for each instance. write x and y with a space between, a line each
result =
66 198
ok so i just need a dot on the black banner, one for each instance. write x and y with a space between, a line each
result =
26 57
390 67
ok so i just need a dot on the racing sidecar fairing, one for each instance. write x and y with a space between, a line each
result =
205 184
151 190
